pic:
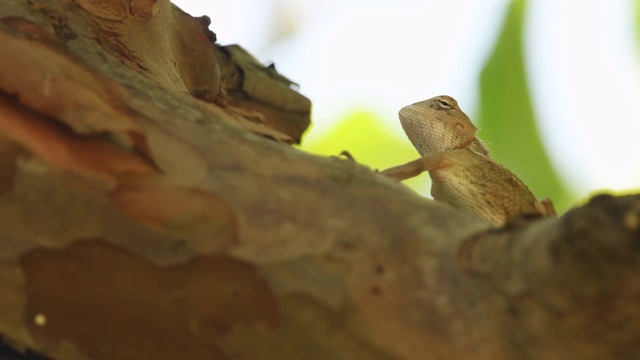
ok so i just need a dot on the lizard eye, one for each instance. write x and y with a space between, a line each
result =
444 104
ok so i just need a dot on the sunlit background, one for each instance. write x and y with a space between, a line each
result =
567 69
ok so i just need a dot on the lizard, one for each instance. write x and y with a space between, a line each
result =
462 171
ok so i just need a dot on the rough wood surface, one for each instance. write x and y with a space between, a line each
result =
146 211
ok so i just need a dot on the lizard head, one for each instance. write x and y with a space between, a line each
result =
437 124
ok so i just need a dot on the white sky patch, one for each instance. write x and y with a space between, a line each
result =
584 80
383 56
363 54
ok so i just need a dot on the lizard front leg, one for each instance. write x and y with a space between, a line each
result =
428 162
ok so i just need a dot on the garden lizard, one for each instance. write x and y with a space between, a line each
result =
462 171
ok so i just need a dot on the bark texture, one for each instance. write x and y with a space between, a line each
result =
150 207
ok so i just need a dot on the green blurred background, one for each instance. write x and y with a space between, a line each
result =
510 64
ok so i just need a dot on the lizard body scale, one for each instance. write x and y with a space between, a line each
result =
462 171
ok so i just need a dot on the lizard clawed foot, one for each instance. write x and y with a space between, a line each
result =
347 155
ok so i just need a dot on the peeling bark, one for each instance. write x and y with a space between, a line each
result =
151 207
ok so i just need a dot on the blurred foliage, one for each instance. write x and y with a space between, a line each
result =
506 115
370 142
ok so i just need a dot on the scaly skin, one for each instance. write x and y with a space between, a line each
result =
462 171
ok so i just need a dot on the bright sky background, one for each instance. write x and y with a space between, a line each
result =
582 60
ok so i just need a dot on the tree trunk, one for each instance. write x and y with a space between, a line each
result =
150 207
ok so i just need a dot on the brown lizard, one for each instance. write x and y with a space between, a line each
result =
462 171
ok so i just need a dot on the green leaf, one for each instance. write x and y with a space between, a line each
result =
506 114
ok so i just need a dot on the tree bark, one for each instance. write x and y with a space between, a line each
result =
150 207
